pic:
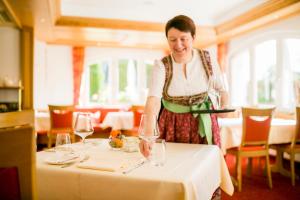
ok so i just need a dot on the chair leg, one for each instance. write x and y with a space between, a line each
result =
239 173
249 166
49 141
72 137
269 171
292 163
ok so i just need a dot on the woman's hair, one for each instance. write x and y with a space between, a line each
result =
182 23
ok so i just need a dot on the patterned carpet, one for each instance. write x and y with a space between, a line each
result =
256 186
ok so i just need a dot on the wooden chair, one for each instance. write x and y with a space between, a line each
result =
17 156
254 142
61 121
292 149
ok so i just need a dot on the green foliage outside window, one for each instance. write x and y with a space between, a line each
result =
148 74
266 87
94 82
123 66
98 82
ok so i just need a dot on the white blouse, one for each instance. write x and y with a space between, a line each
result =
195 81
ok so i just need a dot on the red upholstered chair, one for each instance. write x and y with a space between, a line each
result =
255 138
61 121
292 148
17 162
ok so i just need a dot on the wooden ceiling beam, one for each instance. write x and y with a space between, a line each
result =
12 13
254 14
109 24
259 17
109 44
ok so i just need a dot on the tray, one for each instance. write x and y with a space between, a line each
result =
214 111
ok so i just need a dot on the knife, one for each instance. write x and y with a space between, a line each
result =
134 167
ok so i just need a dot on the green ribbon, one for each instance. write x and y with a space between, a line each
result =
204 127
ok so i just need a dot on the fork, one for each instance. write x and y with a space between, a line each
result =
85 158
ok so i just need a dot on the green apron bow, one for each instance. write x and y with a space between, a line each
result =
204 127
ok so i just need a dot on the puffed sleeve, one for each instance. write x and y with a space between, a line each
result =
218 75
157 79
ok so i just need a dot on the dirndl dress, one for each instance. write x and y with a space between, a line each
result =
183 127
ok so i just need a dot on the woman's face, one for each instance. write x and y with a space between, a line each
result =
181 44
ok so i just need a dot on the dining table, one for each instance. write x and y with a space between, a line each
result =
281 131
190 171
119 120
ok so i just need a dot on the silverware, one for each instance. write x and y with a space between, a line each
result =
86 157
134 167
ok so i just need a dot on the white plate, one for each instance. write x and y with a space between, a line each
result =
65 159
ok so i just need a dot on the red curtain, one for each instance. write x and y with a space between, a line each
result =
222 54
78 60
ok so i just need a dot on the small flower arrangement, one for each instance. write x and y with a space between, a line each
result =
116 139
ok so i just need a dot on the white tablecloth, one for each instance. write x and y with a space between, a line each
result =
281 131
42 121
191 172
119 120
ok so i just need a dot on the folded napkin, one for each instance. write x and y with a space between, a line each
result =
110 166
61 159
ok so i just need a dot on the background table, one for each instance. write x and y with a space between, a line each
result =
281 131
191 172
119 120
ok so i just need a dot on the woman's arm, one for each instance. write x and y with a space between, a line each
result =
224 99
152 108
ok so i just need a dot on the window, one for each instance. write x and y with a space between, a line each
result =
127 80
240 84
98 84
293 60
120 81
265 57
149 66
266 73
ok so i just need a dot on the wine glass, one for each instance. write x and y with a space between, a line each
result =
62 144
83 125
149 132
148 129
213 92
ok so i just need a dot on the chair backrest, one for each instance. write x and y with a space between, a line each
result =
17 160
296 138
61 117
137 110
256 125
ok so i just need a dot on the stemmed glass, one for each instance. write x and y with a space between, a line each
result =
63 150
212 91
62 144
148 129
83 125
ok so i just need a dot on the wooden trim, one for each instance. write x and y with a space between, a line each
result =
228 31
109 23
54 10
27 66
259 11
107 44
11 119
12 13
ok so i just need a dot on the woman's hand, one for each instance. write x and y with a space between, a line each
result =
145 148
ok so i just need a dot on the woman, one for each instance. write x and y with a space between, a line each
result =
182 79
180 82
